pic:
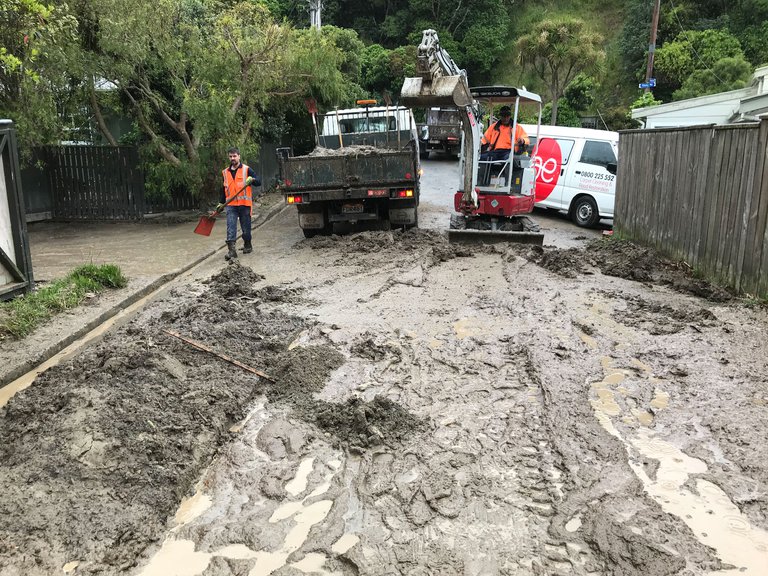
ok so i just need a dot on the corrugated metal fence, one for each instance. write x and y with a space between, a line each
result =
96 182
699 194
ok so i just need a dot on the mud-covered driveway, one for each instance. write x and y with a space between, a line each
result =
436 409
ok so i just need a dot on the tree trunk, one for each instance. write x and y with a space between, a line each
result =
554 110
99 118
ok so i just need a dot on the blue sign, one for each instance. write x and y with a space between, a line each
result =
650 84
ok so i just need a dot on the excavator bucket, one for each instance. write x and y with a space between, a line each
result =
441 91
469 236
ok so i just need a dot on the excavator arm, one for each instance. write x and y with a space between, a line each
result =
440 82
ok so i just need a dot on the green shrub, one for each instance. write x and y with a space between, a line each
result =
21 316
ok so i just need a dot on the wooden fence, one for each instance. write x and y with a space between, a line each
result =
699 194
100 183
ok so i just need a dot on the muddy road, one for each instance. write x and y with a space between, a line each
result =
582 409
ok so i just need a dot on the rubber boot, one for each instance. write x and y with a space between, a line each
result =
247 249
232 253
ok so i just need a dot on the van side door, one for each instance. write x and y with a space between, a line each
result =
551 163
590 176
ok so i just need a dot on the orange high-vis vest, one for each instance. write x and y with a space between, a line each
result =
232 187
501 138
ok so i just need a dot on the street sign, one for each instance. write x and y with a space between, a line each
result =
650 84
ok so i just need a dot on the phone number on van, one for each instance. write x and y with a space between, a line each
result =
608 177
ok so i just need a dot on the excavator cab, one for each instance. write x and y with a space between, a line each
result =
495 193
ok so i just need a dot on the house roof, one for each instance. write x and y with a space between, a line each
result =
744 99
735 95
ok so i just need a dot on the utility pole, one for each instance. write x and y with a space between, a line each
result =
315 7
652 45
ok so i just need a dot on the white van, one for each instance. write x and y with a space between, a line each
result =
572 171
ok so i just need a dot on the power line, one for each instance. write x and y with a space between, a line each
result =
693 48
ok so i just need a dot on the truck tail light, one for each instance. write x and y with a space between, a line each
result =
407 193
293 199
408 175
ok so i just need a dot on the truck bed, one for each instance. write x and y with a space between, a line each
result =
345 168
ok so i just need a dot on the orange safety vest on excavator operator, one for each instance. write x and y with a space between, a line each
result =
499 137
233 186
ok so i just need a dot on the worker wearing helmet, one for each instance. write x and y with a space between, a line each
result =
498 137
237 196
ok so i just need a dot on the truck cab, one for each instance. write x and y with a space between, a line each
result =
379 126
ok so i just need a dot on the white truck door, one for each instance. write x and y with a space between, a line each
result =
588 175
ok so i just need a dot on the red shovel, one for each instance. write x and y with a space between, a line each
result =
205 226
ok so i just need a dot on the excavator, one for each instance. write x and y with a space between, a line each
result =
495 195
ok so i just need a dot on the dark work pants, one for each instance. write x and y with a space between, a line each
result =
235 213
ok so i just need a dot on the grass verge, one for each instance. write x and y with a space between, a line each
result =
19 317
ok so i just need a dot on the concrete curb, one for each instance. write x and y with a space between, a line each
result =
16 372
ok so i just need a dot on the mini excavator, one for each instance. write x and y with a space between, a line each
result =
495 196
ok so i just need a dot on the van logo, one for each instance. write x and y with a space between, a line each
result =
547 164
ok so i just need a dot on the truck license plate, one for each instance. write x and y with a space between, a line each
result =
352 208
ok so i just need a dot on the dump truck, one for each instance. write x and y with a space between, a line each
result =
441 132
365 168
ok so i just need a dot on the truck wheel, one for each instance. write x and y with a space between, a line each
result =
310 233
415 221
584 212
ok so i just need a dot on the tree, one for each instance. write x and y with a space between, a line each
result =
200 75
34 40
557 50
725 74
694 50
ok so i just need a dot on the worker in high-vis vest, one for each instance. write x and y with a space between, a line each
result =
237 196
497 140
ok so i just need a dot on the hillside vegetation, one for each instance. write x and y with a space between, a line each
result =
196 76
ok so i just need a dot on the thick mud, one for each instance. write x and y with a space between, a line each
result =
624 259
434 409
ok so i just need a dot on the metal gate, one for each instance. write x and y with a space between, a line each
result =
96 182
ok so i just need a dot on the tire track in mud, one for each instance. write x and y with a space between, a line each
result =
516 474
604 508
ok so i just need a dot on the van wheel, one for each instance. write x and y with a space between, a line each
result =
584 212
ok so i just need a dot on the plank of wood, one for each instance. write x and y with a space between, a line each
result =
202 347
710 208
743 207
757 216
727 194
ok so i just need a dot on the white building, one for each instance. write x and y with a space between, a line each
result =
744 105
